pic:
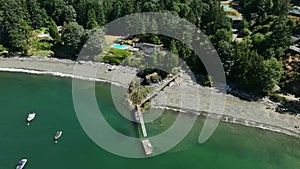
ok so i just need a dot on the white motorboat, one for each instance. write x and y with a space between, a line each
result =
21 164
30 117
57 135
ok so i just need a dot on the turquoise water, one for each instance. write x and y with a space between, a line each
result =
227 8
231 146
44 35
117 46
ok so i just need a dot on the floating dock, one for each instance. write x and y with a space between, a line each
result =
147 147
145 142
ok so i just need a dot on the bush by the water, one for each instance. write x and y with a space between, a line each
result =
116 56
137 95
208 81
2 49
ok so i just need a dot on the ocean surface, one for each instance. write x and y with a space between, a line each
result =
230 147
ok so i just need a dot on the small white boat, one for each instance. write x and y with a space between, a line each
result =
57 135
30 117
21 164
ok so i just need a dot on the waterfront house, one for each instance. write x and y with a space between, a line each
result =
148 48
295 11
295 49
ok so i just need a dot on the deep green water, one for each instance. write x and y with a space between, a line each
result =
231 146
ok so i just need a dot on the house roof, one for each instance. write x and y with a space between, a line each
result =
295 48
294 39
151 45
295 10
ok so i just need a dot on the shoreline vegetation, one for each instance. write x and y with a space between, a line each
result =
252 42
248 113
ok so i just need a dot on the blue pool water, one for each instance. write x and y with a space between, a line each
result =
117 46
227 8
44 35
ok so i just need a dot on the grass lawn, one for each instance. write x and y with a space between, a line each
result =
113 56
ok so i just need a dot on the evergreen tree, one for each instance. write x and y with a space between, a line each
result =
56 10
71 37
117 10
81 11
197 10
19 35
38 16
93 41
16 29
225 51
91 22
53 31
270 75
69 14
281 32
100 16
173 48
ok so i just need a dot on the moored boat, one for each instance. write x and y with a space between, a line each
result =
30 117
57 135
21 164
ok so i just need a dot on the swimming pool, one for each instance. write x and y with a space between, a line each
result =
118 46
227 8
44 35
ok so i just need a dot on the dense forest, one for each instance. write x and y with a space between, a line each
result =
254 64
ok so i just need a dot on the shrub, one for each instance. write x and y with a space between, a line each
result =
133 61
147 106
116 57
44 46
246 32
208 81
2 48
113 59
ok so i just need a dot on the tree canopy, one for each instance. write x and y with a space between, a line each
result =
266 31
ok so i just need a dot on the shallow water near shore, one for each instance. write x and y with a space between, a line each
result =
231 146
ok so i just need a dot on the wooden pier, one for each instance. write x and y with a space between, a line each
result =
139 115
141 119
155 92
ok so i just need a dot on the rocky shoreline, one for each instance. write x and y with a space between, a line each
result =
181 96
248 113
234 120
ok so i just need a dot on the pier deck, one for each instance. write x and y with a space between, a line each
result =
155 92
147 147
146 142
141 118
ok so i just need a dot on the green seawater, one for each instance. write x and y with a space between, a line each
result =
231 146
